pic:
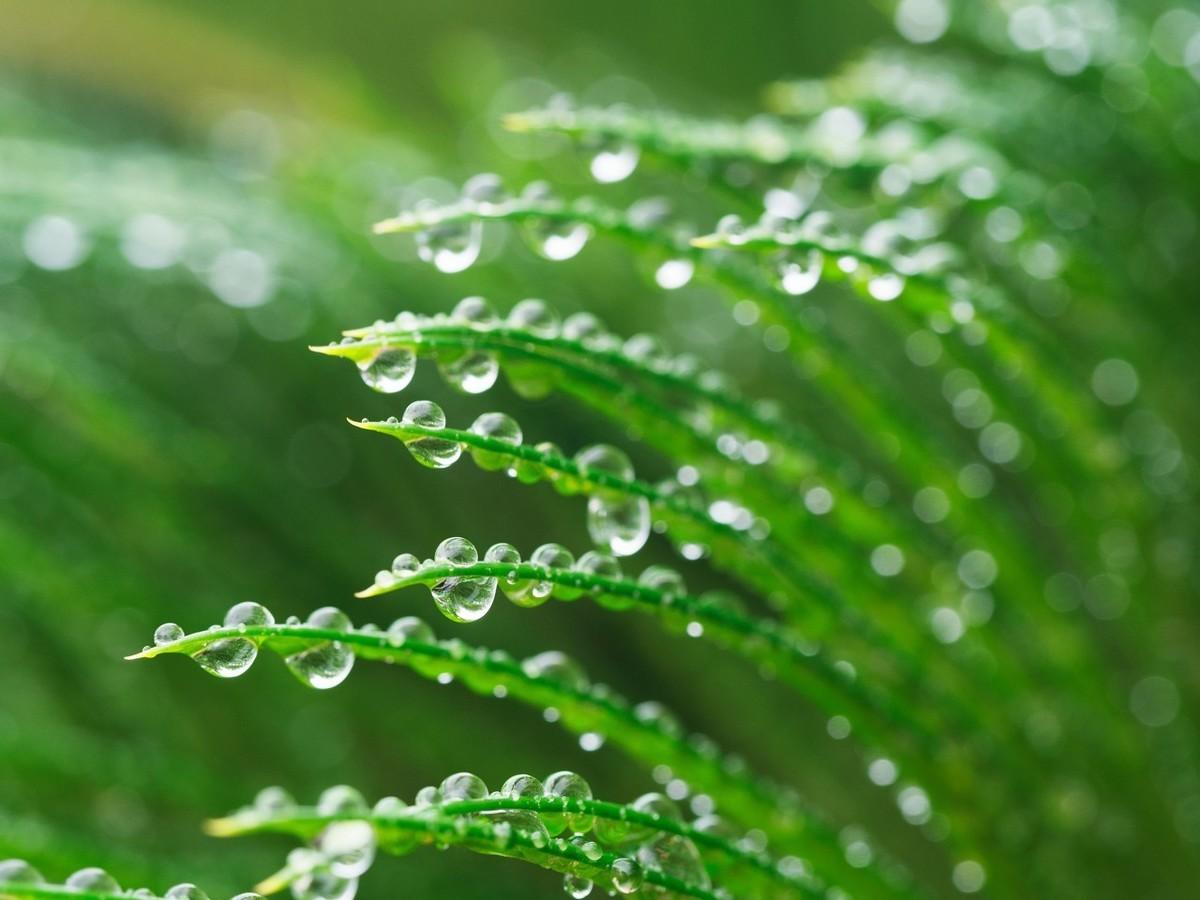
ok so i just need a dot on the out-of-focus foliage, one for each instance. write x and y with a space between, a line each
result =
924 471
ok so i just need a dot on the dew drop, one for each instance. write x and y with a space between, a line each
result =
434 452
349 848
484 189
577 886
615 161
596 563
410 628
451 246
556 240
185 891
622 525
496 427
471 371
248 613
456 551
272 800
93 881
553 556
227 658
341 799
390 370
326 664
605 458
17 871
674 274
405 565
571 786
463 786
627 876
324 885
167 633
799 272
661 578
462 599
534 316
676 856
553 665
516 589
475 311
886 287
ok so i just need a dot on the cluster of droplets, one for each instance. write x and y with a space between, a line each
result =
323 663
468 597
93 880
618 520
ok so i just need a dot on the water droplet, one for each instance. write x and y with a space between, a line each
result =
647 350
556 666
615 161
410 628
272 800
451 246
886 287
674 274
660 578
627 875
621 524
534 316
341 799
405 565
496 427
589 331
650 712
484 189
323 885
572 786
185 891
676 856
556 240
552 556
799 271
227 658
326 664
388 807
605 458
596 563
434 452
475 311
470 371
456 551
17 871
463 786
390 370
577 886
248 613
349 848
167 633
516 589
94 881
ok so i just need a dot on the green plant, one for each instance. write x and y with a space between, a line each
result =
954 530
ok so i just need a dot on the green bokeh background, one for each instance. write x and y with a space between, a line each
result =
163 455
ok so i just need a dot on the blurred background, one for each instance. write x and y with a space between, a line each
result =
186 188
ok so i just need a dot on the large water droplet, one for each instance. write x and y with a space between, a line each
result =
405 564
434 452
324 665
324 885
462 599
451 246
470 371
248 613
552 556
463 786
390 370
615 161
94 881
475 311
674 855
605 458
556 240
572 786
456 551
622 524
167 633
516 589
497 427
17 871
227 658
799 271
349 848
627 875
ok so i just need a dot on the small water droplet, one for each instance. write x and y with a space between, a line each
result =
17 871
463 786
627 875
799 271
552 556
615 161
167 633
554 665
434 452
348 847
571 786
621 524
556 240
94 881
411 628
496 427
577 886
185 891
470 371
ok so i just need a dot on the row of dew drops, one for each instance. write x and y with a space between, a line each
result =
94 880
345 850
